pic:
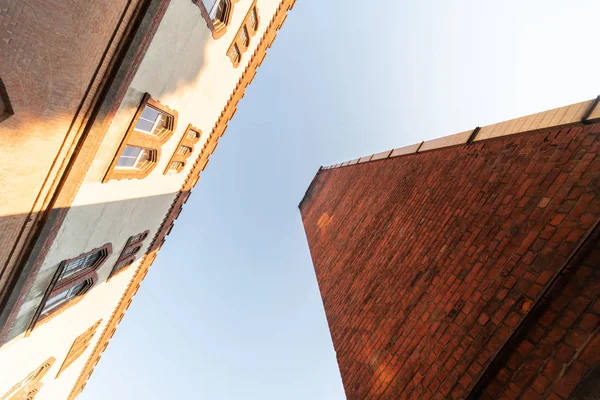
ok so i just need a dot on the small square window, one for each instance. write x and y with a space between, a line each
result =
234 54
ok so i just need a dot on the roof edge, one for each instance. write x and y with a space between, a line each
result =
310 188
585 112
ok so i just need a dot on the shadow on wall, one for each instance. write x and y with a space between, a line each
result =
120 249
51 53
53 59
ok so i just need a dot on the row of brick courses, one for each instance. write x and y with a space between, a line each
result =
428 262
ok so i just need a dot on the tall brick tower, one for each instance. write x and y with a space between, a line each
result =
466 266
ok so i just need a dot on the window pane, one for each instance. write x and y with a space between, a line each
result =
130 251
234 54
208 4
254 19
63 297
131 151
129 156
126 162
150 114
184 150
215 8
192 134
244 38
135 238
144 125
80 264
143 157
160 126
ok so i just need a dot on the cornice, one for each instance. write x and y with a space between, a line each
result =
575 114
199 165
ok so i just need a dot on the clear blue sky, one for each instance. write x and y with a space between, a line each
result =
231 308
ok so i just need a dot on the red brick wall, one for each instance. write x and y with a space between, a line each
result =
562 345
428 263
52 56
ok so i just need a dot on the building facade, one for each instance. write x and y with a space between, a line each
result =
116 107
466 266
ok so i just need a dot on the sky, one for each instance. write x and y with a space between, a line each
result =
231 307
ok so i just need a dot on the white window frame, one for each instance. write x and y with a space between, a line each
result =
137 159
160 117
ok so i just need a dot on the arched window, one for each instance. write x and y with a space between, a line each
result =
217 14
139 152
183 151
72 280
241 41
129 253
59 299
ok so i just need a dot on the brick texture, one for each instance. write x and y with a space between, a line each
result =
428 263
51 54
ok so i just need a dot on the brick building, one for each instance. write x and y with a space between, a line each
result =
109 112
466 266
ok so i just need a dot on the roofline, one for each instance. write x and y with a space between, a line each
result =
584 113
310 187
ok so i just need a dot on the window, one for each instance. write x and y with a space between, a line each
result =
152 122
29 387
193 134
131 251
72 280
64 297
253 19
217 14
242 38
137 238
152 126
6 109
128 255
136 157
183 151
215 8
174 168
79 346
73 267
235 55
